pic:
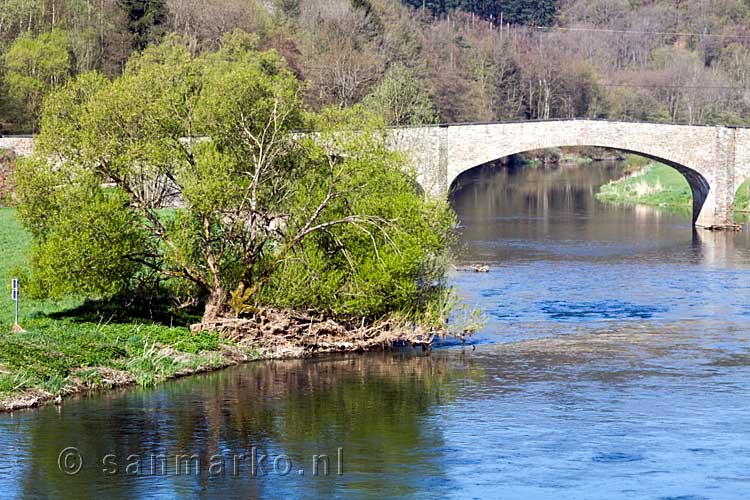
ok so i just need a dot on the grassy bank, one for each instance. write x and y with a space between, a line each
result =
742 199
655 184
70 346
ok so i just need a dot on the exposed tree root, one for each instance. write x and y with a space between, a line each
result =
283 333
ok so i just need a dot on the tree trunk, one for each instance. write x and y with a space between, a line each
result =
214 305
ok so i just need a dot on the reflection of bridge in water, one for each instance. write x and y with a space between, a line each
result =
714 160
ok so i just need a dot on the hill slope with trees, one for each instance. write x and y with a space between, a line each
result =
685 61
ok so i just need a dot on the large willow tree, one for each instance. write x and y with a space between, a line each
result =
190 174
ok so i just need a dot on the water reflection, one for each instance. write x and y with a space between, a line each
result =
722 249
523 210
372 407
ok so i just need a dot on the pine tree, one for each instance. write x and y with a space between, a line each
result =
522 12
147 20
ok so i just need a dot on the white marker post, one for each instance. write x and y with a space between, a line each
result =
15 296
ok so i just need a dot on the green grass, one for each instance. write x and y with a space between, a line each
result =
634 163
68 343
742 199
659 185
655 184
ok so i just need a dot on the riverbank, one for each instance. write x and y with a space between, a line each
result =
659 185
73 346
655 185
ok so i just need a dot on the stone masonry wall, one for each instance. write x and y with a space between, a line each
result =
21 146
714 160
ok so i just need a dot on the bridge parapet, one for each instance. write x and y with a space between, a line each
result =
20 145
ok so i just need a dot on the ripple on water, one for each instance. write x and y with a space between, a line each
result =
600 309
684 497
616 457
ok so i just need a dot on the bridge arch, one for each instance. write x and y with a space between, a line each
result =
699 185
712 159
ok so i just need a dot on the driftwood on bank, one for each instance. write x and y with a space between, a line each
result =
281 333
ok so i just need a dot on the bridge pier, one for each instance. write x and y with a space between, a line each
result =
713 202
21 145
715 213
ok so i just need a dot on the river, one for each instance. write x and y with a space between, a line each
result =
614 363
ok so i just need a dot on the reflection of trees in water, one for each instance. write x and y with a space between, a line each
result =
495 188
537 211
376 407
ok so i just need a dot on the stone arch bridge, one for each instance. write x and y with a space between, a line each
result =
714 160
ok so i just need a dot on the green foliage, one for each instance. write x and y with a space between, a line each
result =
33 67
180 339
257 201
742 200
13 382
635 162
660 185
42 362
15 243
151 365
86 242
401 99
368 268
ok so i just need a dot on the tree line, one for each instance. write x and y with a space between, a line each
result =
418 61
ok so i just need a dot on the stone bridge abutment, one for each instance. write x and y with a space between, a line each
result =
22 145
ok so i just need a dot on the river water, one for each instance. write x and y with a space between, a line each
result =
614 363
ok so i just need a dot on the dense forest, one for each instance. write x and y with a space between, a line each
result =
419 61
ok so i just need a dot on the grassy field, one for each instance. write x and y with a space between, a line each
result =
659 185
73 345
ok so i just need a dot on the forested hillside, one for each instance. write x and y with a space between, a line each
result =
418 61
